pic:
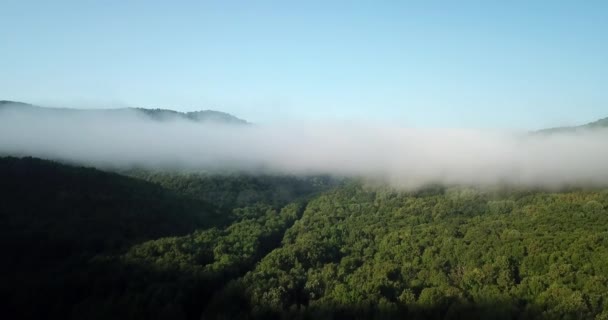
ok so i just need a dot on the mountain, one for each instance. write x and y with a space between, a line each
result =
54 218
80 243
157 114
601 123
49 206
197 116
8 103
84 242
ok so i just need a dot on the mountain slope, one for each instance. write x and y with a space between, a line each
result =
50 207
598 124
55 218
92 244
450 253
202 116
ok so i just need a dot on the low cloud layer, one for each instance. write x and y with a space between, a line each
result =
401 156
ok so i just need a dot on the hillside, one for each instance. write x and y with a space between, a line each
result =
601 123
448 253
52 212
54 218
65 229
82 243
157 114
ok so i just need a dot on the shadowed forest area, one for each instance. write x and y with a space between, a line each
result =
82 243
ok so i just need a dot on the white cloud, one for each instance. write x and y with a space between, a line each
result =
402 156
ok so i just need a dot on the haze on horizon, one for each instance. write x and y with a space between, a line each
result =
411 93
403 157
517 65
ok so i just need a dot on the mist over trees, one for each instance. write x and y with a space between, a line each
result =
188 219
407 158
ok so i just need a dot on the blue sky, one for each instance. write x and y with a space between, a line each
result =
504 64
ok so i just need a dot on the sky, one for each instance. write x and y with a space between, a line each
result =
438 64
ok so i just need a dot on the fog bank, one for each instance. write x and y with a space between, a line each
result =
402 156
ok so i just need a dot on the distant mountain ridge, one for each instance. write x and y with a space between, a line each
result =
154 114
214 116
601 123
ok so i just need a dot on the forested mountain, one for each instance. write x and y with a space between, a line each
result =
54 218
160 114
81 243
153 114
601 123
233 190
456 253
90 209
72 238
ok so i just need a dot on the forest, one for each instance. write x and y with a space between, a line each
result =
82 243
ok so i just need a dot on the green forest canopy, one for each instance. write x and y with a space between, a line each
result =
83 243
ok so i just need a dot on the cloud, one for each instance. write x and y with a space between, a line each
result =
402 156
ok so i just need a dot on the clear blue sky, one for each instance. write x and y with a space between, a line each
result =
518 64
